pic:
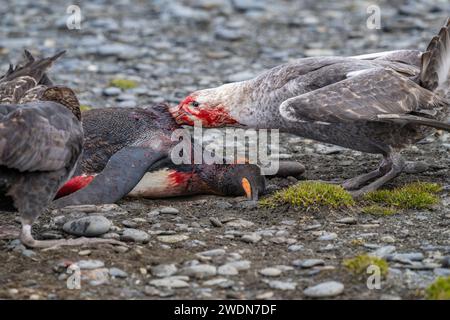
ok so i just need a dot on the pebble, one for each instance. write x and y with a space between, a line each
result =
89 226
170 282
163 270
112 91
324 290
329 236
84 252
212 253
173 238
270 272
347 220
239 223
282 285
90 264
169 210
117 273
240 265
127 104
227 270
442 272
28 253
383 251
200 271
96 277
388 239
308 263
251 238
412 256
295 247
216 282
135 235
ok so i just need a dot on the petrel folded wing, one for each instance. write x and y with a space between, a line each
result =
362 97
37 136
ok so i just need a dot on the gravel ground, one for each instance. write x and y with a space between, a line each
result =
211 247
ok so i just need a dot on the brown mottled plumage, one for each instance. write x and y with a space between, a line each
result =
41 139
375 103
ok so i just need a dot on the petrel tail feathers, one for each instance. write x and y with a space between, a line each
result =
435 69
407 118
33 68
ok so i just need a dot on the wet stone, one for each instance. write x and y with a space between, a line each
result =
89 226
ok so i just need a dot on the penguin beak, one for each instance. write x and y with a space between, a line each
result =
250 193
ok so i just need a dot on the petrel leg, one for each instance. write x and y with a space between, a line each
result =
358 181
27 239
122 173
397 167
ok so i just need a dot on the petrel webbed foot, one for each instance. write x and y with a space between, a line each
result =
27 239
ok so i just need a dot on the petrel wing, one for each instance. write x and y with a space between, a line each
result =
366 96
38 136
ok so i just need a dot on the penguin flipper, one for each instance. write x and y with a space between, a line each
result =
122 173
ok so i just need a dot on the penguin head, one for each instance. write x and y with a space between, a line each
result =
238 180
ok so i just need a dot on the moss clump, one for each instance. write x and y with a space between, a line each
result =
123 83
359 264
417 195
310 195
378 210
439 289
84 107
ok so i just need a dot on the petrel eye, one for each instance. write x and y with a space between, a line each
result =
195 104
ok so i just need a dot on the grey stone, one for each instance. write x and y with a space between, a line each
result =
112 91
163 270
170 282
328 236
251 238
90 264
282 285
308 263
227 270
383 251
324 290
200 271
117 273
270 272
135 235
89 226
169 210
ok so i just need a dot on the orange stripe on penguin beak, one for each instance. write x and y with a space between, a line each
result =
247 188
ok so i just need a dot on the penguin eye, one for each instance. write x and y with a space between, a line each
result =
195 104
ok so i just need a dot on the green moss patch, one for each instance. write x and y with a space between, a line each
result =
378 210
359 264
439 289
84 107
417 195
123 83
310 195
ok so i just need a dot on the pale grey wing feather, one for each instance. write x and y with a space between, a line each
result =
36 139
359 98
